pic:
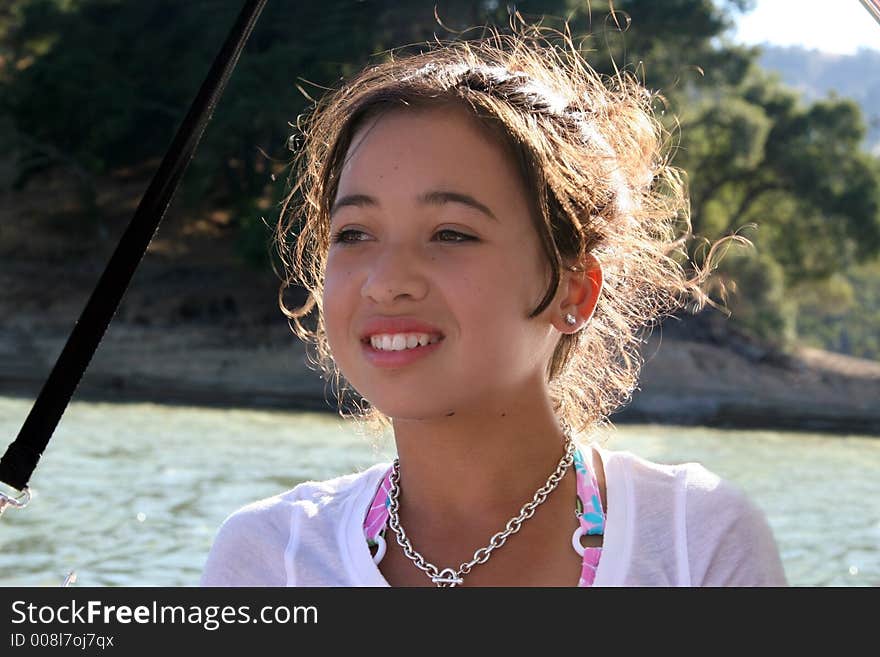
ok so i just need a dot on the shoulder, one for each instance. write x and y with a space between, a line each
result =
722 536
630 477
697 488
249 547
272 515
729 540
316 496
625 470
712 499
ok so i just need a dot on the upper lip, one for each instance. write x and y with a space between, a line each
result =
388 325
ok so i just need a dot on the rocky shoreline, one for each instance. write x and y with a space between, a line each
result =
265 378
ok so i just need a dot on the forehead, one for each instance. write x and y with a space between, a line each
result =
411 150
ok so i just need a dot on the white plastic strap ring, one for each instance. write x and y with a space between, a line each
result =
576 540
380 549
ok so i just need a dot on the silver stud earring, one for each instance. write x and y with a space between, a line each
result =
570 319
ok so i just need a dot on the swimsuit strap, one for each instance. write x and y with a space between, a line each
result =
589 505
377 516
591 517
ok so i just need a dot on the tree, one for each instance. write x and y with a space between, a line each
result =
122 74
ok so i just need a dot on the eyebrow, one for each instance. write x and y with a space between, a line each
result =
436 197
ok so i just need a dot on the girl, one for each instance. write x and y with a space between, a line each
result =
486 229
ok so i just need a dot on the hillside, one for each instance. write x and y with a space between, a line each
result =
817 74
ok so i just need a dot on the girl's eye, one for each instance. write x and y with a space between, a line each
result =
456 236
342 236
351 236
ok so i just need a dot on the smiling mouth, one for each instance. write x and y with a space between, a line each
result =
395 359
387 343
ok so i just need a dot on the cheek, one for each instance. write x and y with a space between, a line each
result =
491 305
336 300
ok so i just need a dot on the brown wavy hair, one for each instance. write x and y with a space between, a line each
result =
595 163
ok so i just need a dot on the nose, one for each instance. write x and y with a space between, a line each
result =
395 274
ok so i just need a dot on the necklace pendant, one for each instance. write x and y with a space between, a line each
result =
446 578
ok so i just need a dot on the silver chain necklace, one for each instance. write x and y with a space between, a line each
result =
449 577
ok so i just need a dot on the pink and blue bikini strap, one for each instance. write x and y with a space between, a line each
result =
590 514
591 519
377 517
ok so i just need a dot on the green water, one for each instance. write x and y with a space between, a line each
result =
131 495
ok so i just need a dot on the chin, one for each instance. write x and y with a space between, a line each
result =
412 409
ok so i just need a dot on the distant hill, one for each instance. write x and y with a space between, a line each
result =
817 73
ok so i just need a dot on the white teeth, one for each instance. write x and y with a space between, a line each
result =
401 341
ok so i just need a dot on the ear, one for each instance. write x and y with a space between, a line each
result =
579 293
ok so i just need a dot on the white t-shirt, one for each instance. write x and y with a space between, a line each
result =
666 525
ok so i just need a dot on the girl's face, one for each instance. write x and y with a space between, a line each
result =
431 236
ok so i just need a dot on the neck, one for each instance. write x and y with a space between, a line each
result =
473 471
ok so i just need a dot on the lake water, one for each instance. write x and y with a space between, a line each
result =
132 494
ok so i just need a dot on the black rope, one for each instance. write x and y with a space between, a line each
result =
20 459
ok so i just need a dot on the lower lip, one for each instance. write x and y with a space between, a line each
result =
391 359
